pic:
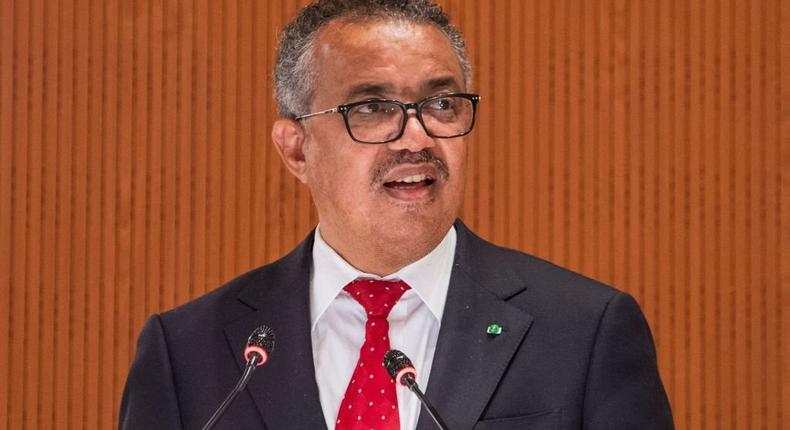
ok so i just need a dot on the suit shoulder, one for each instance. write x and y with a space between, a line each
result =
225 297
545 273
542 278
231 300
550 293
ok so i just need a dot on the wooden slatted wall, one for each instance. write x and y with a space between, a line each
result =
644 143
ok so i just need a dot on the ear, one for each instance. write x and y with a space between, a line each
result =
288 137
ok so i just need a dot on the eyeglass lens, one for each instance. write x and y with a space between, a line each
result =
381 121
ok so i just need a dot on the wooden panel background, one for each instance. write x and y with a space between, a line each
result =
644 143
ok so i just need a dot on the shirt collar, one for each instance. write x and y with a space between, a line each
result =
429 276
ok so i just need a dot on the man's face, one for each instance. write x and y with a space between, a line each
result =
395 200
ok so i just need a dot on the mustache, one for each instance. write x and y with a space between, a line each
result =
405 156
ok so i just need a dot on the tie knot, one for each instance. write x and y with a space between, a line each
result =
377 297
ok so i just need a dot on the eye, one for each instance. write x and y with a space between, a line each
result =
441 104
369 108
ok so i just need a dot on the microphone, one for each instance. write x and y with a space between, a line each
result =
259 345
402 371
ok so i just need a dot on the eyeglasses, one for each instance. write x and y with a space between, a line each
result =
442 116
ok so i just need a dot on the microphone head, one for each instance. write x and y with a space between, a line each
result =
260 342
399 366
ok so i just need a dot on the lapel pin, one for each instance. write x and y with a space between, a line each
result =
494 329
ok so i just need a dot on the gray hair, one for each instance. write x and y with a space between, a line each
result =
294 76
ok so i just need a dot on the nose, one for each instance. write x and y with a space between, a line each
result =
414 138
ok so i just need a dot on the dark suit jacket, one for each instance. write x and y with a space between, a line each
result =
574 353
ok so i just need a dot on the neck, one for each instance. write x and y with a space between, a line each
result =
379 256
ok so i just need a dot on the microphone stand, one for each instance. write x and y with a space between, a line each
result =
414 388
252 364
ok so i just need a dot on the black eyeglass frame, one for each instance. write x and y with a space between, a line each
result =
344 109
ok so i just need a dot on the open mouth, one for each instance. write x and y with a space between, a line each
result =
411 182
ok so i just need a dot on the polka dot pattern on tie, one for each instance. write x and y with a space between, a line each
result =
370 401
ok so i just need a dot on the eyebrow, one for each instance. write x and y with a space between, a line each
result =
369 89
375 89
441 83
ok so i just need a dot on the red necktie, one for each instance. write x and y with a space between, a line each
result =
370 401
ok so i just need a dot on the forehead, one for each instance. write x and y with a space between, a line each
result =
386 58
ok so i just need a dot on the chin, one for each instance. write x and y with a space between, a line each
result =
415 208
419 223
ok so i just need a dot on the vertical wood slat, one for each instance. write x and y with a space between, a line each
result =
81 152
17 319
118 298
103 267
710 266
49 275
641 143
781 146
96 171
33 226
214 173
182 144
7 85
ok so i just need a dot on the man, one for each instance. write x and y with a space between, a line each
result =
375 103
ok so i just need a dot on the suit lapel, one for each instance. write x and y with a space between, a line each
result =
468 362
284 389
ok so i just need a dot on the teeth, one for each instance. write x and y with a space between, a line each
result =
413 178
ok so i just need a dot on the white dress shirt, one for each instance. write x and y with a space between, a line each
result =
338 322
